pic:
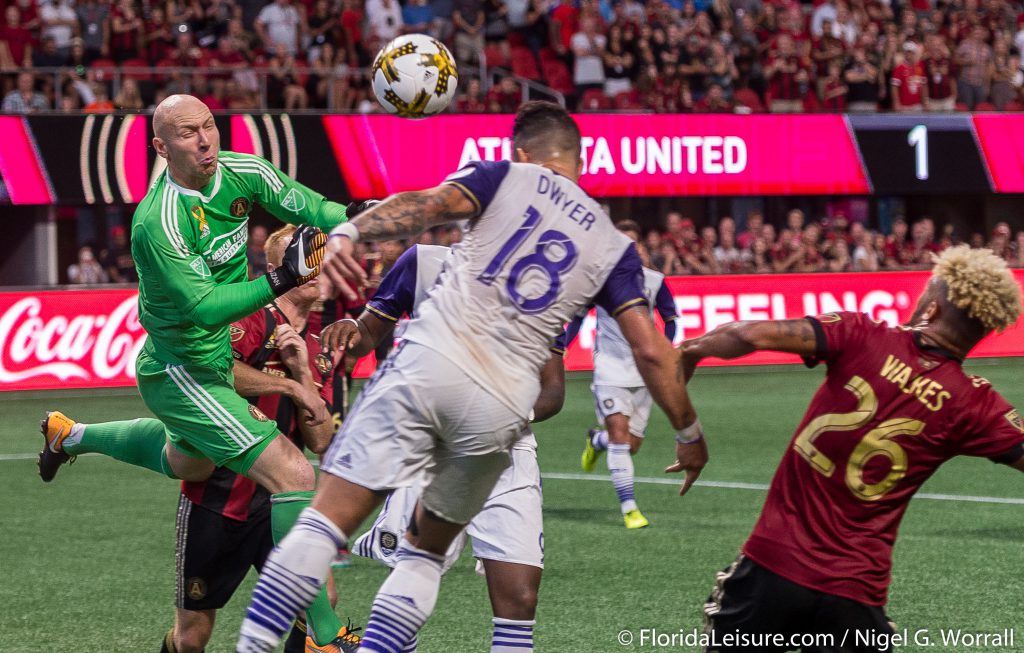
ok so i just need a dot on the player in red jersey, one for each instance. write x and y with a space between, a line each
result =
894 406
224 525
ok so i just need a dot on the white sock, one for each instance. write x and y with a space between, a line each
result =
290 580
620 464
600 440
511 636
404 601
75 437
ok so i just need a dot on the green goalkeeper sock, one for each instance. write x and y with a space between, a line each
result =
284 512
140 442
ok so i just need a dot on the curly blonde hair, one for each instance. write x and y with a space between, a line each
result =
979 283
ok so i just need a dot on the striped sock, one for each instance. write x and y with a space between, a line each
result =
599 440
512 636
404 601
290 580
620 464
410 647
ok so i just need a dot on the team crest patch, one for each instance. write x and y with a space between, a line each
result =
388 543
237 333
294 201
829 318
323 364
199 266
199 214
1014 418
196 588
239 207
258 414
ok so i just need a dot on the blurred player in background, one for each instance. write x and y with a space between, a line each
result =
224 523
188 241
621 400
508 533
458 391
894 406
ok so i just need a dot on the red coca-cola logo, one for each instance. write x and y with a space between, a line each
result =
69 339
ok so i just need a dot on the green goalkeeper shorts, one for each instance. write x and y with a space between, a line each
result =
203 415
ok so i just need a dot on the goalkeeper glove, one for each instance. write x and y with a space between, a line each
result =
302 259
355 208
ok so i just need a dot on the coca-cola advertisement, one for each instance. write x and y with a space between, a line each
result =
90 338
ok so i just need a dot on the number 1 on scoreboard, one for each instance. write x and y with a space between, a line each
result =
918 139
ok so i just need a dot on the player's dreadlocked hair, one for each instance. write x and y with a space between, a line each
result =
979 283
542 127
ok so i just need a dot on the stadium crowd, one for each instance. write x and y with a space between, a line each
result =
658 55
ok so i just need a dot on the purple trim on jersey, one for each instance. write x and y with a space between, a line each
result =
665 305
479 181
397 291
624 287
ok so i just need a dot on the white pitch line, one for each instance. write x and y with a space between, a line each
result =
649 480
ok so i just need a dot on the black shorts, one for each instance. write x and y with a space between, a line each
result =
214 553
753 609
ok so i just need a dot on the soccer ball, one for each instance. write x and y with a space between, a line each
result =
414 76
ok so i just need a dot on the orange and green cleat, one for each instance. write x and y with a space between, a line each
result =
347 641
55 428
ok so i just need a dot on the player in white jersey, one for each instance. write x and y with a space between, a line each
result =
507 535
621 400
458 390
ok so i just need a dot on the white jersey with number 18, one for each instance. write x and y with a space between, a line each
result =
539 253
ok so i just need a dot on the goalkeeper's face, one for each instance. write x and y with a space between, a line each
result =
186 135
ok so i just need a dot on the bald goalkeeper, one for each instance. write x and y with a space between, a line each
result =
188 240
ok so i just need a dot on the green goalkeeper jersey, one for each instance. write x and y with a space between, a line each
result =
190 250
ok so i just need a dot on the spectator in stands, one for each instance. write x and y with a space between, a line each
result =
588 49
472 99
323 23
713 102
284 85
128 98
755 223
1018 251
158 37
834 90
730 259
15 41
788 77
760 257
418 17
564 23
94 27
24 98
838 256
47 56
671 263
974 57
117 259
86 270
703 261
59 22
896 252
1000 241
126 31
505 97
279 23
619 64
468 19
941 94
722 69
1005 68
909 84
496 28
101 102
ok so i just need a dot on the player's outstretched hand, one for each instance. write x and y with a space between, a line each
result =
342 335
690 459
339 267
302 260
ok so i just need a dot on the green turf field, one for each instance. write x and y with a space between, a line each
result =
87 565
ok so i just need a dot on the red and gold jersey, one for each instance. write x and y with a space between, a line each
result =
890 412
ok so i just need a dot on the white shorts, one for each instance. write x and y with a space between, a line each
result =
634 403
509 528
420 410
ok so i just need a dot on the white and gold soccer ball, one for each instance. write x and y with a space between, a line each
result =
414 76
